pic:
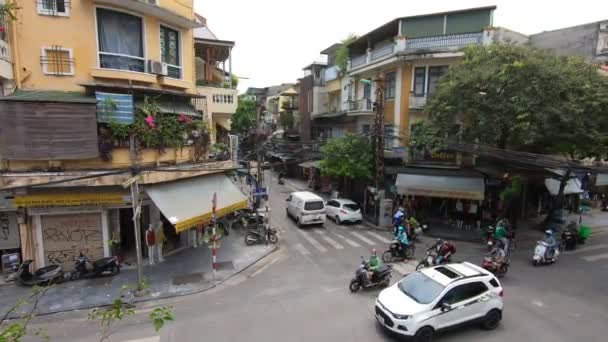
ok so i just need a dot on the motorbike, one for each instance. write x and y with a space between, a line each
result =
261 235
488 237
52 274
569 239
397 253
540 254
431 260
281 180
247 218
105 266
498 270
381 277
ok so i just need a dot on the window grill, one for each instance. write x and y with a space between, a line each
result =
53 7
57 60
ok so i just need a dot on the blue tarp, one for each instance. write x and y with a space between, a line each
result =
122 113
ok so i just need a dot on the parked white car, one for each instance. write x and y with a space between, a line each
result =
438 298
343 210
306 208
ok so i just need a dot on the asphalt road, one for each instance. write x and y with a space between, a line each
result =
300 293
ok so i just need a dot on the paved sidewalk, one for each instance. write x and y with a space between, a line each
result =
185 272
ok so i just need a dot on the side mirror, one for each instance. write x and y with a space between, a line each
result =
445 307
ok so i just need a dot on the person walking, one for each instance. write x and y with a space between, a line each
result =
151 243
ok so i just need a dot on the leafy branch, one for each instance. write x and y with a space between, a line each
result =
16 331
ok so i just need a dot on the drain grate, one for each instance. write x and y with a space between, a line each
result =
225 265
188 278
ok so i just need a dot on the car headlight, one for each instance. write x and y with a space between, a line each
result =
398 316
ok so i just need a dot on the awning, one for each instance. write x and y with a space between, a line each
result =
169 107
471 188
223 120
187 203
311 163
573 186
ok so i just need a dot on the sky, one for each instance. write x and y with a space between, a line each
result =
275 39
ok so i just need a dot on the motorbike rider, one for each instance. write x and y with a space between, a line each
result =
372 265
444 250
551 243
500 234
402 240
398 219
497 254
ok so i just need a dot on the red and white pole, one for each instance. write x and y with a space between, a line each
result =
213 250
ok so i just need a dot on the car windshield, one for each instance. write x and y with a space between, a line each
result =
351 207
314 205
420 288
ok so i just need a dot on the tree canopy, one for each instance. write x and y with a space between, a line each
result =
244 117
347 156
342 53
521 98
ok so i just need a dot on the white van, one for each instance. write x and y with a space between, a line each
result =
306 208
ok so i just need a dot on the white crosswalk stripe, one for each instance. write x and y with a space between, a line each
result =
347 240
329 240
312 241
588 248
596 257
146 339
362 238
404 268
378 236
300 248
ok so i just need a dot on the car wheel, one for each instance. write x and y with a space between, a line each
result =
337 219
424 334
298 223
492 319
287 212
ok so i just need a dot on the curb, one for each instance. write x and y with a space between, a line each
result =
176 295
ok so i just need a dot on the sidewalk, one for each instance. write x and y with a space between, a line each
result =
184 272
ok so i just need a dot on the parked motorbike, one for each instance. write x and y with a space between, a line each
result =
52 274
261 235
498 269
397 253
540 254
247 218
381 277
431 260
85 269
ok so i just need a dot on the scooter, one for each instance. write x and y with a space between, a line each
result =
381 277
281 180
395 252
569 239
499 270
261 235
105 266
52 274
540 254
431 260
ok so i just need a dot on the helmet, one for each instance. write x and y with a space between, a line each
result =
400 229
401 209
439 241
548 232
373 251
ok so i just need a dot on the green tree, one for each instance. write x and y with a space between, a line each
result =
521 98
342 53
287 120
244 117
348 156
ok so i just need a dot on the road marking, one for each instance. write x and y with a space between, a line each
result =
588 248
347 240
363 238
300 248
596 257
146 339
404 268
312 241
329 240
379 237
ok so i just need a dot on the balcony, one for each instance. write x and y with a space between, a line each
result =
290 104
417 102
404 46
219 100
360 105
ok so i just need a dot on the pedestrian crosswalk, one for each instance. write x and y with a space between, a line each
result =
320 240
591 253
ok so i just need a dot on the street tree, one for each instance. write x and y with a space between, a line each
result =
244 117
348 156
521 98
342 53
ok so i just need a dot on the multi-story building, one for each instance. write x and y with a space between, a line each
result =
7 83
282 106
311 86
106 89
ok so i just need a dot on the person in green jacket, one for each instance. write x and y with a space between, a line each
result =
374 263
501 234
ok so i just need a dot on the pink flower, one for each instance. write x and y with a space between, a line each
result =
150 121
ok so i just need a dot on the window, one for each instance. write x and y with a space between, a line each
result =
121 44
435 75
366 129
333 204
464 292
420 287
351 207
169 51
315 205
390 86
58 61
419 80
494 282
367 91
54 7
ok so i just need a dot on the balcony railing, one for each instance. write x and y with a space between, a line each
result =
417 102
451 40
383 51
360 105
358 61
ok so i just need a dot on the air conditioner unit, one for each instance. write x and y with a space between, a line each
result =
157 68
604 27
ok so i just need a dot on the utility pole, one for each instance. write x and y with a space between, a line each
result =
136 205
258 145
379 132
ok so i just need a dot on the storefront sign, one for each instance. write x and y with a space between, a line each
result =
66 200
433 156
468 195
9 230
205 218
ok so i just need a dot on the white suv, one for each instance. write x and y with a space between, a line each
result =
440 297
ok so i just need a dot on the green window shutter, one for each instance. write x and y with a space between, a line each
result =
422 27
467 22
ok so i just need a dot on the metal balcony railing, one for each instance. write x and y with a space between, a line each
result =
360 105
383 51
444 41
358 61
417 102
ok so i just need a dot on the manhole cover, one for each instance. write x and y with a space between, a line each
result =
188 279
225 265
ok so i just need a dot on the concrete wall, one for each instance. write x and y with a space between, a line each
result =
505 35
572 41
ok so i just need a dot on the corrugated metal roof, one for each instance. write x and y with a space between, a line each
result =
49 96
168 107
